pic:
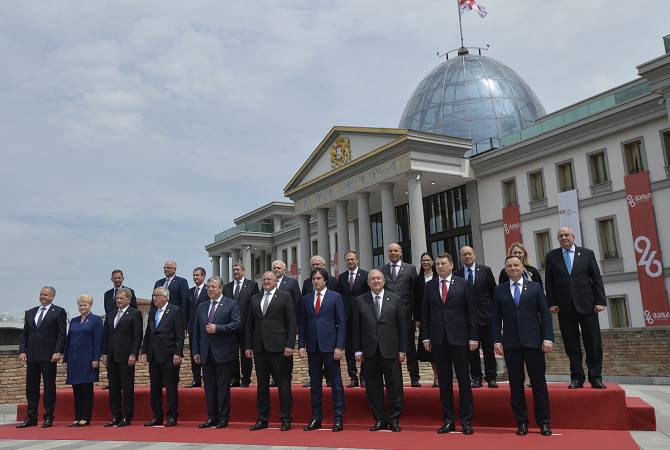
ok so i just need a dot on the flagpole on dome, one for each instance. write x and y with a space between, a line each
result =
460 24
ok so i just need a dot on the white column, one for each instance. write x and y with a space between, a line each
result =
225 267
416 219
322 235
364 230
388 215
305 247
342 234
246 261
216 265
263 267
235 256
277 223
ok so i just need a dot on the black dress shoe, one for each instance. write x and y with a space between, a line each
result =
394 427
476 382
245 383
338 426
353 384
327 383
208 424
105 387
362 382
259 425
153 422
27 423
467 429
306 384
124 423
194 384
114 422
273 383
598 384
415 383
545 430
222 424
576 384
313 425
171 422
379 425
84 423
74 424
522 429
285 425
48 422
492 384
446 428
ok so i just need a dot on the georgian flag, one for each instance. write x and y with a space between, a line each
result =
470 5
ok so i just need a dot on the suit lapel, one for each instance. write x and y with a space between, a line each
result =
371 305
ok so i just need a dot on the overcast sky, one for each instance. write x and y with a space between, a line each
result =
133 131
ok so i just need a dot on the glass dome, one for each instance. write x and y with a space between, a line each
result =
474 97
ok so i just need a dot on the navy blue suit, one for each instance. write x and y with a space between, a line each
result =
193 304
321 334
349 296
521 330
178 288
291 286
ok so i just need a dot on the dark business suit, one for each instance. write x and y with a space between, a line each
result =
110 300
350 292
193 304
320 334
118 344
161 343
178 288
576 294
450 326
381 338
291 286
482 293
39 344
521 330
268 335
403 286
217 352
248 288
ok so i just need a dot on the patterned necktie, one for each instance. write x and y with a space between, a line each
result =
237 290
41 316
395 272
266 302
317 307
119 313
471 278
197 293
212 312
167 282
445 291
567 256
517 293
378 305
351 280
159 314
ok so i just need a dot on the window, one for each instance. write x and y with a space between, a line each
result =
598 168
536 181
294 255
565 177
608 239
509 192
377 239
665 139
448 221
284 256
633 156
315 249
542 246
618 309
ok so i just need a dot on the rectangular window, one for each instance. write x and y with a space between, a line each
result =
608 239
377 234
536 181
315 249
402 222
598 168
509 192
284 256
633 156
665 137
618 309
565 177
294 255
542 246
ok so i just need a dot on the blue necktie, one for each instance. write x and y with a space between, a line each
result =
517 294
567 256
471 279
159 314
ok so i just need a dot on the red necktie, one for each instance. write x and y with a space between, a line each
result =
445 291
317 307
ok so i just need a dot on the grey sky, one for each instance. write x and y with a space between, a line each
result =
133 131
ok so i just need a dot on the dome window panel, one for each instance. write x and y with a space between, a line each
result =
478 89
481 109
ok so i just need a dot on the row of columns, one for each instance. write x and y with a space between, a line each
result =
221 263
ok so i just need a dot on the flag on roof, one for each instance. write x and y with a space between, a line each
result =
471 5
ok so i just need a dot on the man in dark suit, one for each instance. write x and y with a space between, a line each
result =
451 331
178 287
290 285
269 339
352 284
42 345
196 295
522 333
483 284
121 340
321 337
575 291
241 290
400 279
110 295
163 348
380 339
215 347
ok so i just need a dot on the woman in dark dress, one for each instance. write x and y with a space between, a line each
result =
426 274
529 272
82 355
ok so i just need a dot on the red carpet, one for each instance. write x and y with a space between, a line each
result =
570 409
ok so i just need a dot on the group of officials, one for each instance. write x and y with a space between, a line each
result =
365 317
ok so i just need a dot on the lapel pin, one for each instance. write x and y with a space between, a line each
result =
578 253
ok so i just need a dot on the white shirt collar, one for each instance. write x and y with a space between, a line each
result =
355 272
272 292
218 300
241 281
571 249
511 283
472 267
381 294
46 306
448 278
323 293
124 309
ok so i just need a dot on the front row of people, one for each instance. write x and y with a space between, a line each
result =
521 331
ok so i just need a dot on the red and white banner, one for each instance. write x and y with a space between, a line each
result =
568 213
647 250
472 5
511 225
